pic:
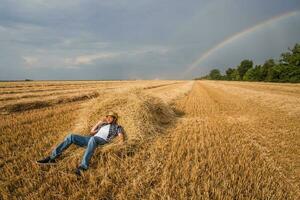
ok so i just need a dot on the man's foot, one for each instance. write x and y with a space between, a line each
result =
79 170
46 160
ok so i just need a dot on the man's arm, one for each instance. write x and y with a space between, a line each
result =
94 129
121 137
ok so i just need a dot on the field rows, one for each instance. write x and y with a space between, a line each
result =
27 100
185 140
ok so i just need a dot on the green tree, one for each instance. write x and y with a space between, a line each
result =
289 73
229 74
295 75
286 70
292 57
290 65
244 66
253 74
235 75
249 75
267 71
215 74
274 73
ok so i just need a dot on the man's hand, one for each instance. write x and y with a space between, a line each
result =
94 129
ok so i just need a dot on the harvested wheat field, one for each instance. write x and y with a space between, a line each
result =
185 140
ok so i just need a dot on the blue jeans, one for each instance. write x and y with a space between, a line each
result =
90 141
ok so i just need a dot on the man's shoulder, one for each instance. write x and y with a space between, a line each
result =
117 125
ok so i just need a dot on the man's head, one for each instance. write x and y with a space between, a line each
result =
111 117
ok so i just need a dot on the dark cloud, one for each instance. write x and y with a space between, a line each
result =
120 39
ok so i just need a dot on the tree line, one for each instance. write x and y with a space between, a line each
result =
286 69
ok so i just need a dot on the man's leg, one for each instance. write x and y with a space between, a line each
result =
92 144
70 139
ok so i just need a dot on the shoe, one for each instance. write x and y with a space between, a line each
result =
79 170
46 160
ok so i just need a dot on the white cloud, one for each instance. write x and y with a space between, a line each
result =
30 61
82 41
89 59
150 49
92 58
2 28
32 5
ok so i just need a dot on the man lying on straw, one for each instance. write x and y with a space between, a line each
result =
103 132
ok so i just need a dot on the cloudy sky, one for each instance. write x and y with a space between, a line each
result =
140 39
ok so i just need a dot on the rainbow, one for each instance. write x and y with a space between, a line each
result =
235 37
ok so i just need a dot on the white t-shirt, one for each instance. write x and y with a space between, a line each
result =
103 132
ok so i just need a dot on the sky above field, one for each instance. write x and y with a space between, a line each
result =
140 39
